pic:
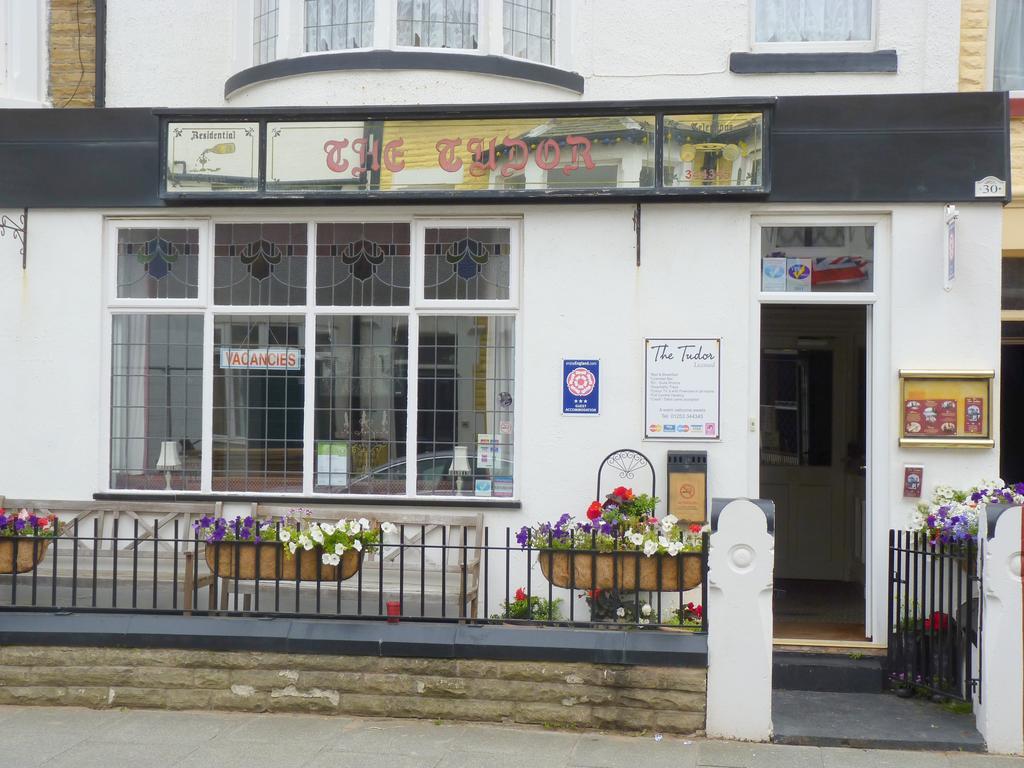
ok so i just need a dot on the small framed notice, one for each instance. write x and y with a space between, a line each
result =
946 409
682 399
581 387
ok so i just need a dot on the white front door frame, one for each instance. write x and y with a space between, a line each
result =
878 395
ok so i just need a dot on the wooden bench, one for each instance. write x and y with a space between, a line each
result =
424 568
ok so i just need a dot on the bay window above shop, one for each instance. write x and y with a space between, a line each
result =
521 33
356 358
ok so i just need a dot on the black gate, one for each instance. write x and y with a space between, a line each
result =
935 621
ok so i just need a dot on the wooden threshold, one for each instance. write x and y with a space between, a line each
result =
814 645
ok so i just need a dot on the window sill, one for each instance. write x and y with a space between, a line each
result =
744 63
446 502
448 61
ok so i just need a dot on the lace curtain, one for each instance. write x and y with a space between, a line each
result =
795 21
1008 65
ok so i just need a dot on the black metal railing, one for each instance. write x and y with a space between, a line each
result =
419 573
935 622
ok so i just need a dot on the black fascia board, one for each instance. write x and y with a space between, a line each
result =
861 148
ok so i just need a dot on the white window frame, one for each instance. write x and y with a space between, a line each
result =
291 41
814 46
23 54
880 259
413 311
990 52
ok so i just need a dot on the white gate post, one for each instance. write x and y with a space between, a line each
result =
1000 715
740 567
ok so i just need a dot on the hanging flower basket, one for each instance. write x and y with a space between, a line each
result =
619 571
31 532
295 548
30 554
270 560
622 547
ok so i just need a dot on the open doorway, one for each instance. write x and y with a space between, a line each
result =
813 411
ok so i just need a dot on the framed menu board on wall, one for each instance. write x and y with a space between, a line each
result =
946 409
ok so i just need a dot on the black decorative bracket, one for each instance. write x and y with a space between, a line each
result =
19 230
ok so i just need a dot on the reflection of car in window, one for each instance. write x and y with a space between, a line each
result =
432 476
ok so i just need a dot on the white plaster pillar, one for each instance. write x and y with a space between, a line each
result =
740 567
1000 714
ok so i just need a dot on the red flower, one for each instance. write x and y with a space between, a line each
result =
652 520
696 528
594 510
623 493
520 594
593 594
939 621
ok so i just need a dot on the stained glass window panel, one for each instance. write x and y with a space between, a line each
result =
259 264
157 263
362 265
467 263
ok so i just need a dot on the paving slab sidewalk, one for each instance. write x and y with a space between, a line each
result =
71 737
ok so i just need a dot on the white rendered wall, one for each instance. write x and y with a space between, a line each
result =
50 315
180 53
583 296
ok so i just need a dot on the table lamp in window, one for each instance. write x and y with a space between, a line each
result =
168 460
460 467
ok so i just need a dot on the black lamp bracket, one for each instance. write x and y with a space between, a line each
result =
19 230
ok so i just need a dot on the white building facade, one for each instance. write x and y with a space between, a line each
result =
293 266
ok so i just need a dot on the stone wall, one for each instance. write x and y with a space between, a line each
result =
627 698
974 45
72 41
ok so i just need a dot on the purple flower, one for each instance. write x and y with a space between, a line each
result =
19 524
523 536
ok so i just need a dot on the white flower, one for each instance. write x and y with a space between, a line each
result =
388 527
353 526
357 545
645 609
663 542
620 612
650 547
364 523
339 548
674 548
327 528
645 621
317 535
292 547
668 522
325 558
305 542
635 538
286 535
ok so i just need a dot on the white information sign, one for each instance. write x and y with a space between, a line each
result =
682 388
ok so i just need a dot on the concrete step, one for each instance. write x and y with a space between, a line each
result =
870 721
826 672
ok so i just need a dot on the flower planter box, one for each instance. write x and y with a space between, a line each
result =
244 560
30 554
618 570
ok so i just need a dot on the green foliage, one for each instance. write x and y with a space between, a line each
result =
534 607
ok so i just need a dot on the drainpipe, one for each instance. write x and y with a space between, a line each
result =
100 92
